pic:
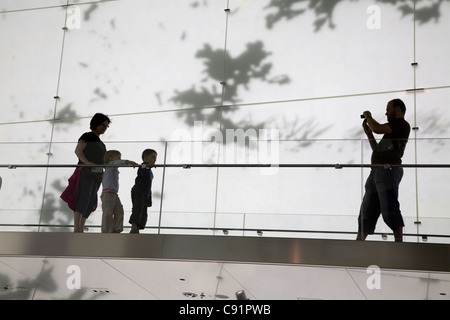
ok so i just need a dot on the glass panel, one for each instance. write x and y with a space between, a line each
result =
433 228
337 118
132 56
294 50
164 126
32 132
303 225
189 198
56 212
433 197
433 118
189 193
432 148
30 63
22 187
9 5
262 194
432 45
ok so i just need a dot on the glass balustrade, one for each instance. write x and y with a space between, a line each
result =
312 191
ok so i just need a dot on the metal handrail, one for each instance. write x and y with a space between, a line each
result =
203 165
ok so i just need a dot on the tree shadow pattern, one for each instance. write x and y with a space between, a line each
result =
288 9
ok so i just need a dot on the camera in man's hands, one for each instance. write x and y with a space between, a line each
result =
362 116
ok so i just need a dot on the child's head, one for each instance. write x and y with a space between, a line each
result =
111 155
149 156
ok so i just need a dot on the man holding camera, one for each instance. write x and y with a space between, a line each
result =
381 188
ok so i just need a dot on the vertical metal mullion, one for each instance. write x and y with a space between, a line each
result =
223 83
415 126
162 188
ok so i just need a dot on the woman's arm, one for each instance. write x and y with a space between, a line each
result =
79 152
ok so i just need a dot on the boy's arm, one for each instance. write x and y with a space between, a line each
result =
131 163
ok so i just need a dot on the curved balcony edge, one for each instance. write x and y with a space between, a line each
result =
267 250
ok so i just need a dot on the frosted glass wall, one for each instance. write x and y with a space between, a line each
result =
177 75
